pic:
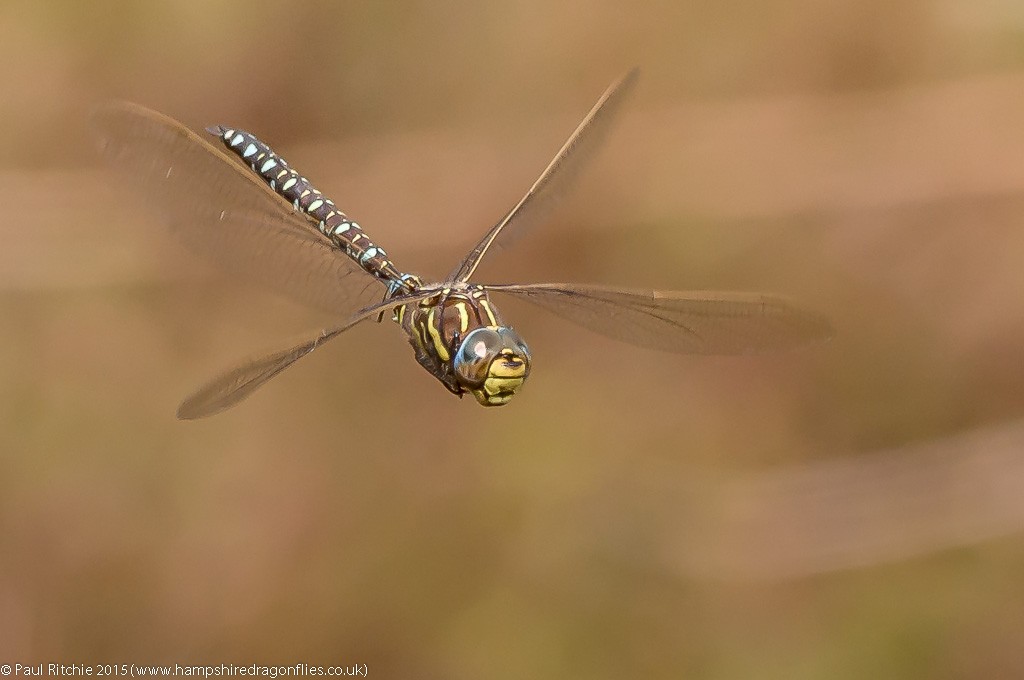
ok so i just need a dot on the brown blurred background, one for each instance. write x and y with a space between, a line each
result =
846 512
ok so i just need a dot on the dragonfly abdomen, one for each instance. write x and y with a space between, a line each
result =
307 199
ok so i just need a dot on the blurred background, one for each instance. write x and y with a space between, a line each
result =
850 511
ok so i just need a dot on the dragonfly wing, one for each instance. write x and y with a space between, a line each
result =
684 322
554 182
221 211
233 386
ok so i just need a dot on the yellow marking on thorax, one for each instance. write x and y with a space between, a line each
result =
487 310
421 334
435 335
463 316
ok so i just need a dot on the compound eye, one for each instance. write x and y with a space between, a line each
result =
511 342
475 355
517 344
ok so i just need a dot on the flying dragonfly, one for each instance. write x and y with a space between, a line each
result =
248 210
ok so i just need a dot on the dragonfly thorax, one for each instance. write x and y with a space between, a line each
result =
461 339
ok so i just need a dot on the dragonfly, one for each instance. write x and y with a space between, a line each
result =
244 207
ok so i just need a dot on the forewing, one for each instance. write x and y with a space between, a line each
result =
233 386
684 322
556 179
218 209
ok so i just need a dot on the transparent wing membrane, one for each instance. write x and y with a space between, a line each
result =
684 322
234 385
221 211
556 179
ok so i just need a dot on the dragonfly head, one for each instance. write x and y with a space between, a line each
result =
492 363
